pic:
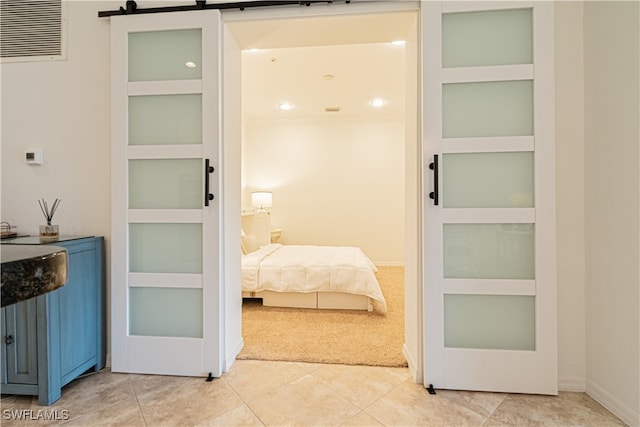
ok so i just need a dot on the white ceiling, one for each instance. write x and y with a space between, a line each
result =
296 54
322 31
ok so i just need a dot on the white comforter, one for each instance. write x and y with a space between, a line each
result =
294 268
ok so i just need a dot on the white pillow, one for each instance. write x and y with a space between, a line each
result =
250 244
242 236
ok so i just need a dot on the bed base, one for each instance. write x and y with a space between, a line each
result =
318 300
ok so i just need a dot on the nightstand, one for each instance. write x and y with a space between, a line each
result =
275 234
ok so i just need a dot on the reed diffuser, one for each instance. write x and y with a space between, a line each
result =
49 232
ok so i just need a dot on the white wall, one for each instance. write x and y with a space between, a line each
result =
612 204
334 181
570 194
61 107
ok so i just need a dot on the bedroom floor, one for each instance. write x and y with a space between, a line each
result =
257 393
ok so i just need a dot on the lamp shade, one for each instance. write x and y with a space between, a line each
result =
261 199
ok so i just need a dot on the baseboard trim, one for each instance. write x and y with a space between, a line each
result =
613 404
231 357
389 264
568 383
414 370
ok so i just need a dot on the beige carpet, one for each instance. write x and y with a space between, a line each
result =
329 336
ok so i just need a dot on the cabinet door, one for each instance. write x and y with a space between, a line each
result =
78 312
20 342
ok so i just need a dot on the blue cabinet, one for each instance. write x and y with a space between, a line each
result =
50 340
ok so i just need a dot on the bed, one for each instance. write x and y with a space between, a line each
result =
308 276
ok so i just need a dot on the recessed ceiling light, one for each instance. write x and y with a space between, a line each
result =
378 102
285 106
190 64
254 50
398 42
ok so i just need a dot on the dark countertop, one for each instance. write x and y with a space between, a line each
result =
31 270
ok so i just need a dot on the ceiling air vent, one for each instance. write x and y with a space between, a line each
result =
31 29
332 109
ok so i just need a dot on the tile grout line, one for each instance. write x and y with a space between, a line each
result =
326 384
135 393
382 397
363 410
350 418
272 390
494 410
336 391
244 402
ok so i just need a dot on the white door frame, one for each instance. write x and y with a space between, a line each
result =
231 216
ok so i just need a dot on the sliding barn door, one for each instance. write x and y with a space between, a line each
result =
165 292
489 211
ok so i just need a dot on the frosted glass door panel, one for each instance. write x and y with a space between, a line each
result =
487 109
165 248
488 251
165 184
166 312
500 37
488 180
165 55
165 119
498 322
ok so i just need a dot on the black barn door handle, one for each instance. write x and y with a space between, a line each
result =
208 170
434 167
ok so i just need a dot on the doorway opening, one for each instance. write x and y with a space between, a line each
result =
329 128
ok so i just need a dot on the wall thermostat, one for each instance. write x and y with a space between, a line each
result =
33 157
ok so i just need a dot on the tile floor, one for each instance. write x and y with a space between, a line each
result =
257 393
